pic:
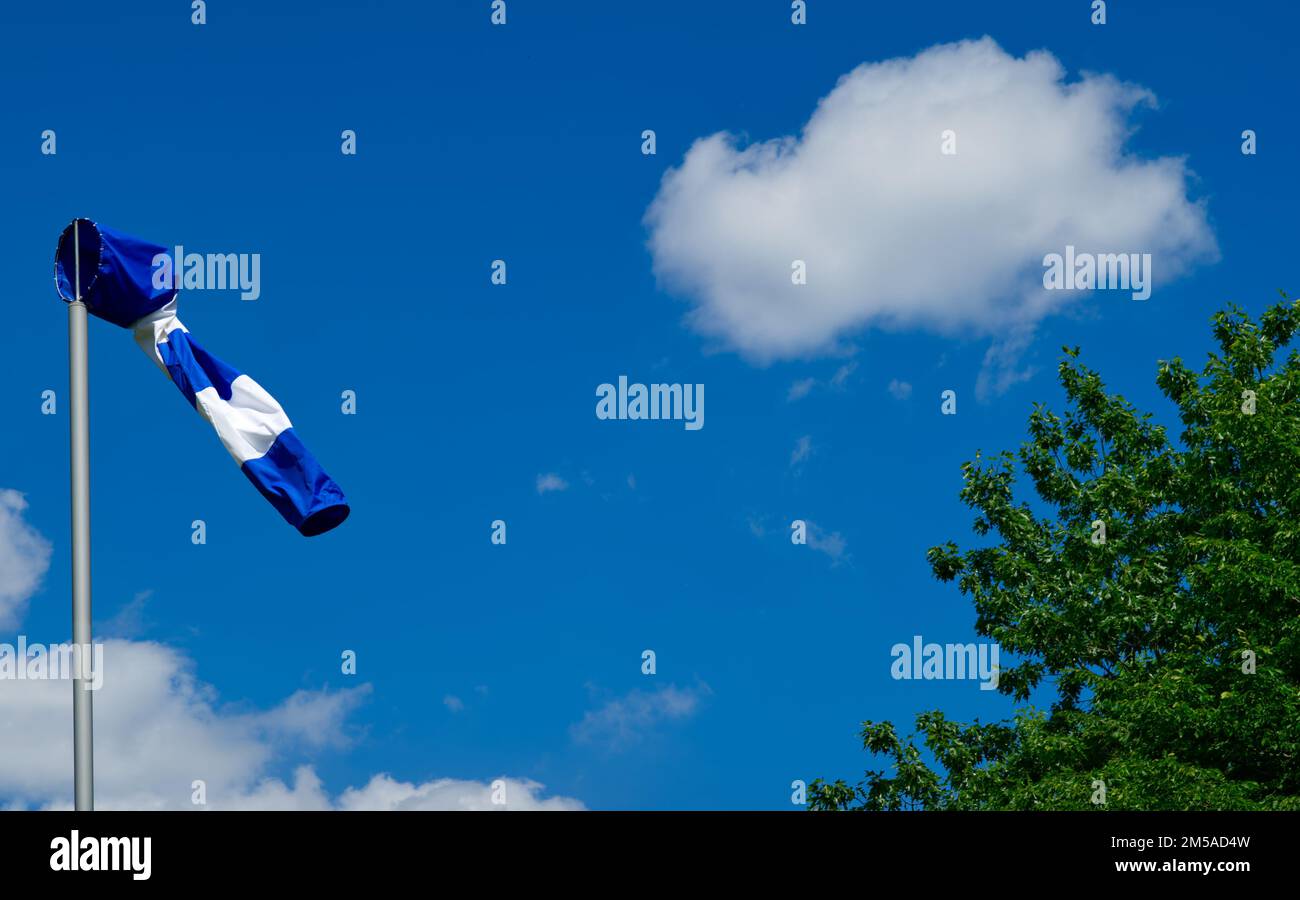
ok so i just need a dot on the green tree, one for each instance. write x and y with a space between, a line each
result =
1173 646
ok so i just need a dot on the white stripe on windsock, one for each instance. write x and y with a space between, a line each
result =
248 423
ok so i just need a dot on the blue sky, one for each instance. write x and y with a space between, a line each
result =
523 142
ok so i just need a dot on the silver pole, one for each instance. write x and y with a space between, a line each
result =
83 760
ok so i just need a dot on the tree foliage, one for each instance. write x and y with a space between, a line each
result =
1146 638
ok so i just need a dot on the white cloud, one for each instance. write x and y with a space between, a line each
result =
800 389
24 558
831 543
841 376
129 621
312 719
627 720
897 235
158 729
551 482
450 794
900 390
804 386
453 703
803 449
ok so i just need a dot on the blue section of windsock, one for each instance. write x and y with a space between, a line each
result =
119 283
251 424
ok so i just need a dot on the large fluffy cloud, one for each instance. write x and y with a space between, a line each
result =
895 233
158 729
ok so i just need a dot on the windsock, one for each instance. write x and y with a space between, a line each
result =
118 284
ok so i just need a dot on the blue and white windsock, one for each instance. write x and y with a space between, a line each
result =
118 285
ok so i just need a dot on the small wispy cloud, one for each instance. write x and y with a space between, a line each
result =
831 543
800 389
548 482
841 376
453 703
900 390
837 382
803 448
129 621
624 721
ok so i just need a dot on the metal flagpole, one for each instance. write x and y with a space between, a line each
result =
83 763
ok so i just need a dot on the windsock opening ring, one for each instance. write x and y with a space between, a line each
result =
119 280
91 244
